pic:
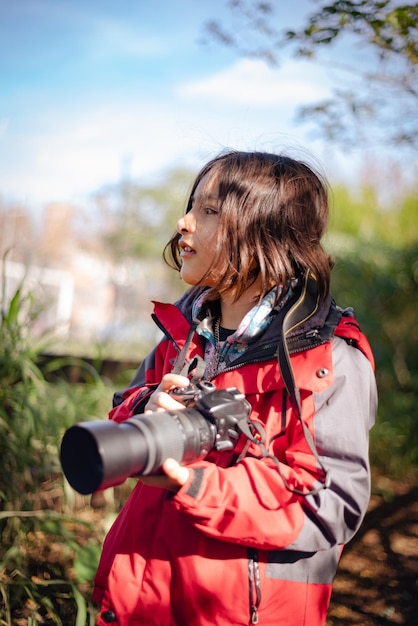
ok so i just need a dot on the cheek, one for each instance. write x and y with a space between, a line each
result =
207 239
207 229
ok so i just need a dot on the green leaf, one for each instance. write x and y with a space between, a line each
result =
86 561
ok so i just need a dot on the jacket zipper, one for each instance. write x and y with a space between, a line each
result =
254 584
261 358
257 359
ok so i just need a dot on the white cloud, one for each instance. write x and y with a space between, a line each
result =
69 153
253 82
64 153
63 161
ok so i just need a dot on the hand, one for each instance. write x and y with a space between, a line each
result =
160 400
175 476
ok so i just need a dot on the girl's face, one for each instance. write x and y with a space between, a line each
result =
199 233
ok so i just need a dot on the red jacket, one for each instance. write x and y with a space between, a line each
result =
235 544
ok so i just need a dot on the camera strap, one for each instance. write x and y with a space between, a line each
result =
195 367
306 305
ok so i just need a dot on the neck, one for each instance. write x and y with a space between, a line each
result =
232 313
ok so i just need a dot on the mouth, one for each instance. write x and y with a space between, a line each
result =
185 249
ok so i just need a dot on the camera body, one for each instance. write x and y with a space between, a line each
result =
100 454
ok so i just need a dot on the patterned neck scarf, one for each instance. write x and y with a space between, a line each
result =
221 355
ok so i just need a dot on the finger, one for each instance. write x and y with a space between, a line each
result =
170 381
161 401
176 472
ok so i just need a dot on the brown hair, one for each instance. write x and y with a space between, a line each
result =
273 213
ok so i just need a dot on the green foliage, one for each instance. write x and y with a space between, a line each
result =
363 218
21 394
376 272
387 72
394 440
384 24
46 552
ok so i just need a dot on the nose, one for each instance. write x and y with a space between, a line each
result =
186 224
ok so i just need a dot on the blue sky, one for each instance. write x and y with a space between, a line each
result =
93 90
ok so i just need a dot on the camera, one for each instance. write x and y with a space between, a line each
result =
100 454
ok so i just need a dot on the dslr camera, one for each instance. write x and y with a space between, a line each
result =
100 454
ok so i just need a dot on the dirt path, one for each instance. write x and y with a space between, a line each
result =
378 574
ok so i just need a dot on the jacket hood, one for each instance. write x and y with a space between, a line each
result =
312 320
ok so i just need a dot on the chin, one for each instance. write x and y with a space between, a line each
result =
189 280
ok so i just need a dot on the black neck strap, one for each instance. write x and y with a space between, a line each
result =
306 306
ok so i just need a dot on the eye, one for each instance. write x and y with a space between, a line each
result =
210 210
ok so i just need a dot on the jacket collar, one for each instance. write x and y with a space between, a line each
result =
309 321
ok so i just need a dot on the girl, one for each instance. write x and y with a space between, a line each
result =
254 538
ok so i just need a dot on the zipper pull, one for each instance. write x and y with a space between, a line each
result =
254 615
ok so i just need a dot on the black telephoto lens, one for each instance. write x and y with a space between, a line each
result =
101 454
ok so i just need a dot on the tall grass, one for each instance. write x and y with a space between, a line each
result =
49 536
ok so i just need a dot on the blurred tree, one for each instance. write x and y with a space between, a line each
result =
138 220
376 272
377 94
376 252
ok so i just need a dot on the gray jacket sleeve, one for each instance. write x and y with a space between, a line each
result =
345 413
